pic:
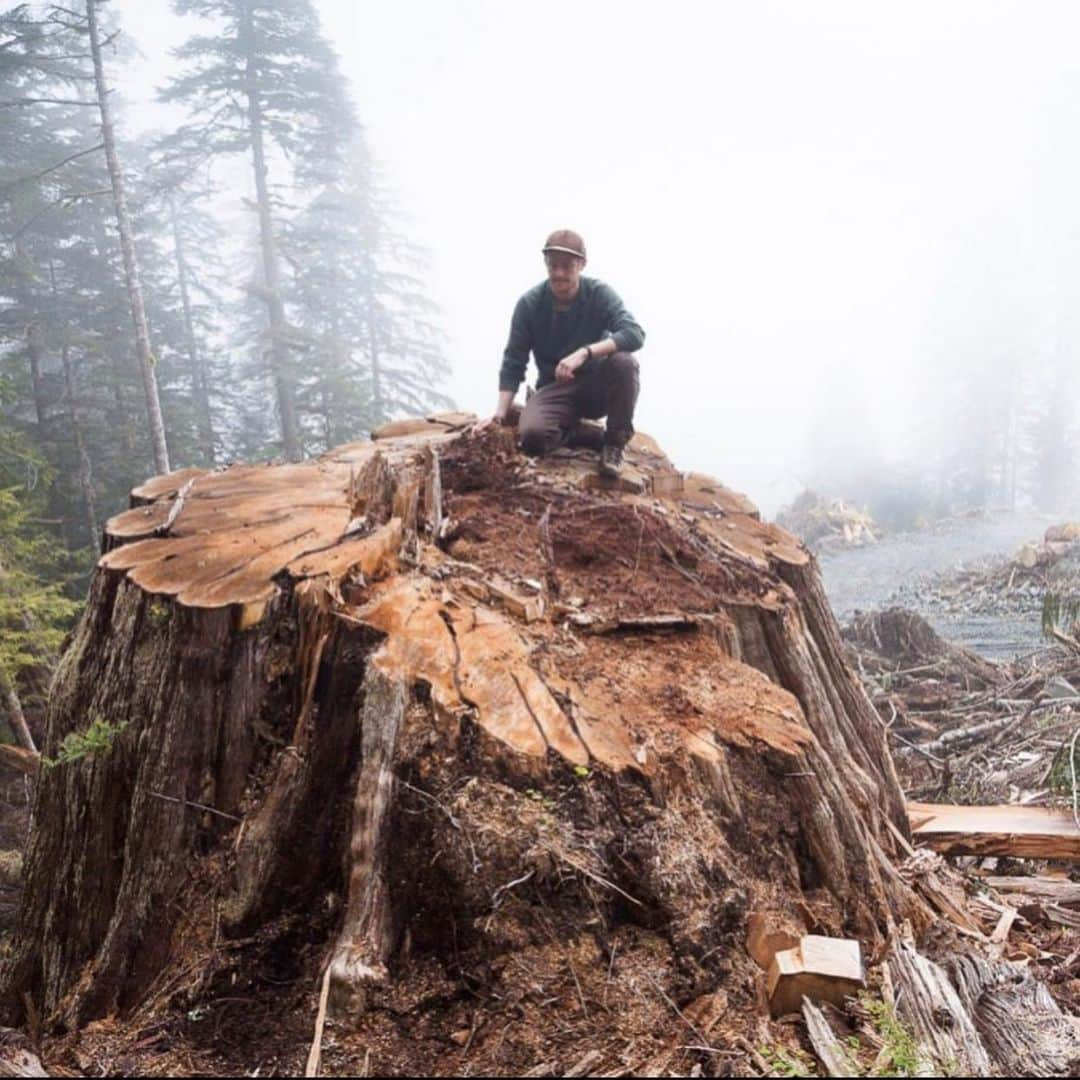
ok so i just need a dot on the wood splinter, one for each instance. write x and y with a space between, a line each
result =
358 961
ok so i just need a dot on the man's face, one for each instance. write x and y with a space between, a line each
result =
564 274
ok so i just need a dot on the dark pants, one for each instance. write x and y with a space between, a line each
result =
606 386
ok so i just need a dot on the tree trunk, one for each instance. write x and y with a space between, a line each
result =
121 414
35 351
378 409
84 472
279 361
127 248
85 476
334 736
9 695
199 382
16 718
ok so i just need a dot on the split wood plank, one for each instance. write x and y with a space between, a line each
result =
1032 832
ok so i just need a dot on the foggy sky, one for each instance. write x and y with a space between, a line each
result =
788 196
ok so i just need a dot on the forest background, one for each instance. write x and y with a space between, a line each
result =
773 195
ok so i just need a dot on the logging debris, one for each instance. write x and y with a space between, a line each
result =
828 525
965 729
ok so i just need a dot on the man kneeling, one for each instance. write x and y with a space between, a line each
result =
582 339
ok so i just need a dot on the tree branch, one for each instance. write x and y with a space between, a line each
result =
12 102
52 168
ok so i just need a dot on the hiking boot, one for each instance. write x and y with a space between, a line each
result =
610 461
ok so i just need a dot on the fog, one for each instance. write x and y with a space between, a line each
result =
820 213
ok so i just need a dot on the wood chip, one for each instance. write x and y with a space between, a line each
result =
819 968
586 1065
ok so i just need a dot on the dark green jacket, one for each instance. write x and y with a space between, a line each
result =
596 313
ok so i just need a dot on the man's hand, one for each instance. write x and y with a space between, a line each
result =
502 411
568 365
488 422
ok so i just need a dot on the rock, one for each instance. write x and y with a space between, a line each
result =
1057 688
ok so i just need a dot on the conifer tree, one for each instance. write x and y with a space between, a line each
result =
264 84
374 346
127 245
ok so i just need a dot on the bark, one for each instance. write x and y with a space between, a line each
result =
366 941
315 699
16 1056
976 1017
127 248
279 361
199 381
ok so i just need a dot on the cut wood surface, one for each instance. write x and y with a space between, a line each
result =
1032 832
818 968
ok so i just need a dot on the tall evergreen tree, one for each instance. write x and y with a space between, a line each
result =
264 84
374 348
1052 435
127 245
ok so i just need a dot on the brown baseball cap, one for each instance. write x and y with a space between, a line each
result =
565 240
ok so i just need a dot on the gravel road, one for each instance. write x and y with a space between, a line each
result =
891 572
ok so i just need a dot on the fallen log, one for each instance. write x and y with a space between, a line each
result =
1020 1024
966 736
16 1056
1056 889
1032 832
20 759
977 1017
928 1005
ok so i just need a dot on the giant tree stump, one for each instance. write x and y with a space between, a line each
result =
452 689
